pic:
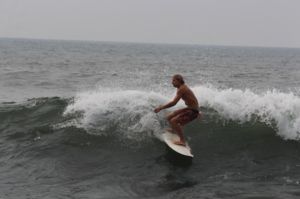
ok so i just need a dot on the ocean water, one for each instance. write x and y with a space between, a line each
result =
77 121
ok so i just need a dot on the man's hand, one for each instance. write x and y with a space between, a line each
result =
157 109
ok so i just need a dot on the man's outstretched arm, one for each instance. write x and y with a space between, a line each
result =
170 104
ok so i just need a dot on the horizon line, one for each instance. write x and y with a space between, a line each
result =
151 43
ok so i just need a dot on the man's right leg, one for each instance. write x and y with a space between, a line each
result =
172 116
175 123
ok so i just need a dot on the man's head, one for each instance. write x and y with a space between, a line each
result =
177 80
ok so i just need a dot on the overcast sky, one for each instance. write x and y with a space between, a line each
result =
208 22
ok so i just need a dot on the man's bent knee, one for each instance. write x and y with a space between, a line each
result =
170 116
174 121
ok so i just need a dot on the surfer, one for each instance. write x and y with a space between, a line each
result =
181 117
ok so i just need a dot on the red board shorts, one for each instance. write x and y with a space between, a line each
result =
187 115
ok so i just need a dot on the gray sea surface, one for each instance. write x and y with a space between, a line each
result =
77 121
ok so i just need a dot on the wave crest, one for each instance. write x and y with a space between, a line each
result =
279 110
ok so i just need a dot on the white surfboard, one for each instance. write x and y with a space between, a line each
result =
170 138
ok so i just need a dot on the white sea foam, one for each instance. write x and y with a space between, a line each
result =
130 113
271 107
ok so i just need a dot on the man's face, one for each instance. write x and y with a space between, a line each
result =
175 83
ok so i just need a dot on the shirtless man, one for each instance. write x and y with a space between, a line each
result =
181 117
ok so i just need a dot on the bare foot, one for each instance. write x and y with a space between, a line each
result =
179 143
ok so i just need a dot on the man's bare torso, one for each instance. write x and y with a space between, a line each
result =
188 97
